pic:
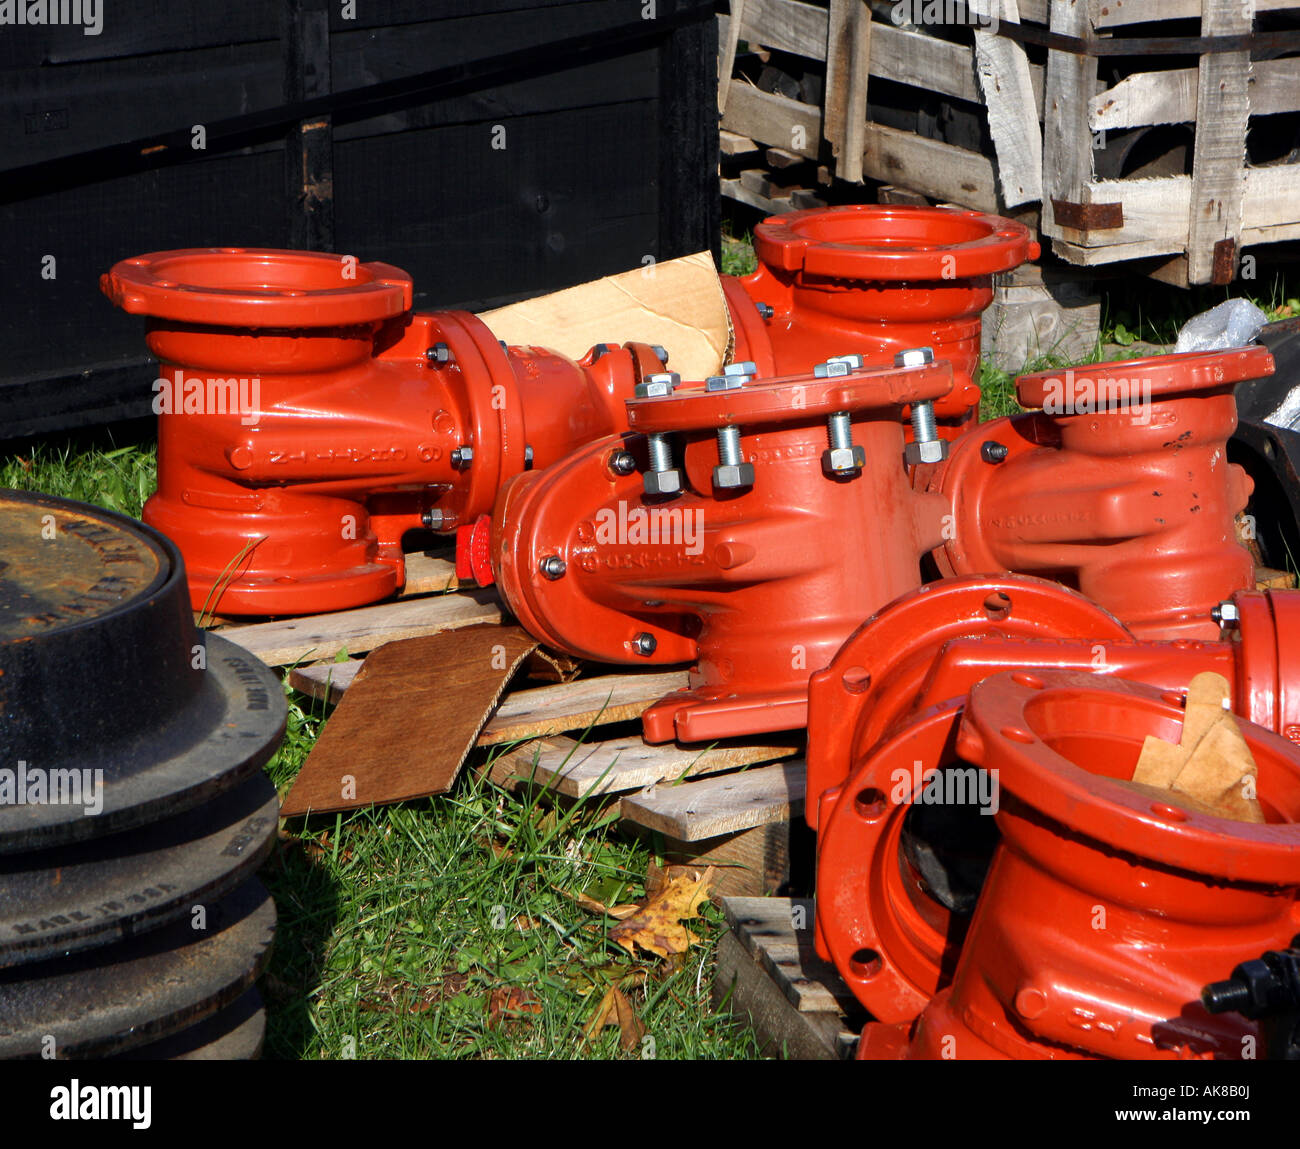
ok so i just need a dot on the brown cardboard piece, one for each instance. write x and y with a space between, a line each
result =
407 722
1211 770
677 304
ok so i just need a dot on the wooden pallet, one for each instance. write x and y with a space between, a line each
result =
1048 113
768 974
728 804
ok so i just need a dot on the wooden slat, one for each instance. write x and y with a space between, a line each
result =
528 713
778 932
727 44
732 145
1218 178
356 631
848 56
1003 71
734 189
1147 98
942 170
577 705
626 764
429 573
723 805
771 119
1067 142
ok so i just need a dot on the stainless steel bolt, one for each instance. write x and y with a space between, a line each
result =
622 462
553 567
842 458
432 518
924 429
765 310
644 644
462 457
745 368
658 385
729 447
438 355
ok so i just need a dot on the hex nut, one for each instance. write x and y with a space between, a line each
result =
622 463
655 387
914 357
729 477
843 460
662 482
743 368
916 453
661 353
724 382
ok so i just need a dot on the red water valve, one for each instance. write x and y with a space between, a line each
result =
309 419
1120 486
875 280
887 708
1105 910
747 529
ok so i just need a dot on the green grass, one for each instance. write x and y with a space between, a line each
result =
119 478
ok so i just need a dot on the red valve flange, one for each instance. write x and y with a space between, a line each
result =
1106 909
875 280
309 419
1120 487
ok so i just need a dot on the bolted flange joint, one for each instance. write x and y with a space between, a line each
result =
842 458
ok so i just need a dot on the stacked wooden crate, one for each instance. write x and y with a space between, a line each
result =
1043 76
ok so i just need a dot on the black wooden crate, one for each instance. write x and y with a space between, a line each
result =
609 117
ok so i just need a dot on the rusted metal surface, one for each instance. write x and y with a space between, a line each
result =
107 1000
71 898
1088 216
114 710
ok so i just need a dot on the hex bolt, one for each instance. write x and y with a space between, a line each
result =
842 457
1226 614
923 425
661 453
622 463
744 371
462 457
992 451
644 644
439 355
765 310
432 518
661 353
553 567
729 447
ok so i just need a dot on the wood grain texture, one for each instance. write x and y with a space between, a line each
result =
1219 157
711 807
411 716
621 765
356 631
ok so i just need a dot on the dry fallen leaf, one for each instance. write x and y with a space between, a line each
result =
592 906
615 1009
508 1003
658 928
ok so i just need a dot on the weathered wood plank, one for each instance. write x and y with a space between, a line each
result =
727 42
576 705
1218 176
1146 98
771 119
941 170
779 933
848 57
356 631
1067 142
626 764
1003 71
724 804
429 573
